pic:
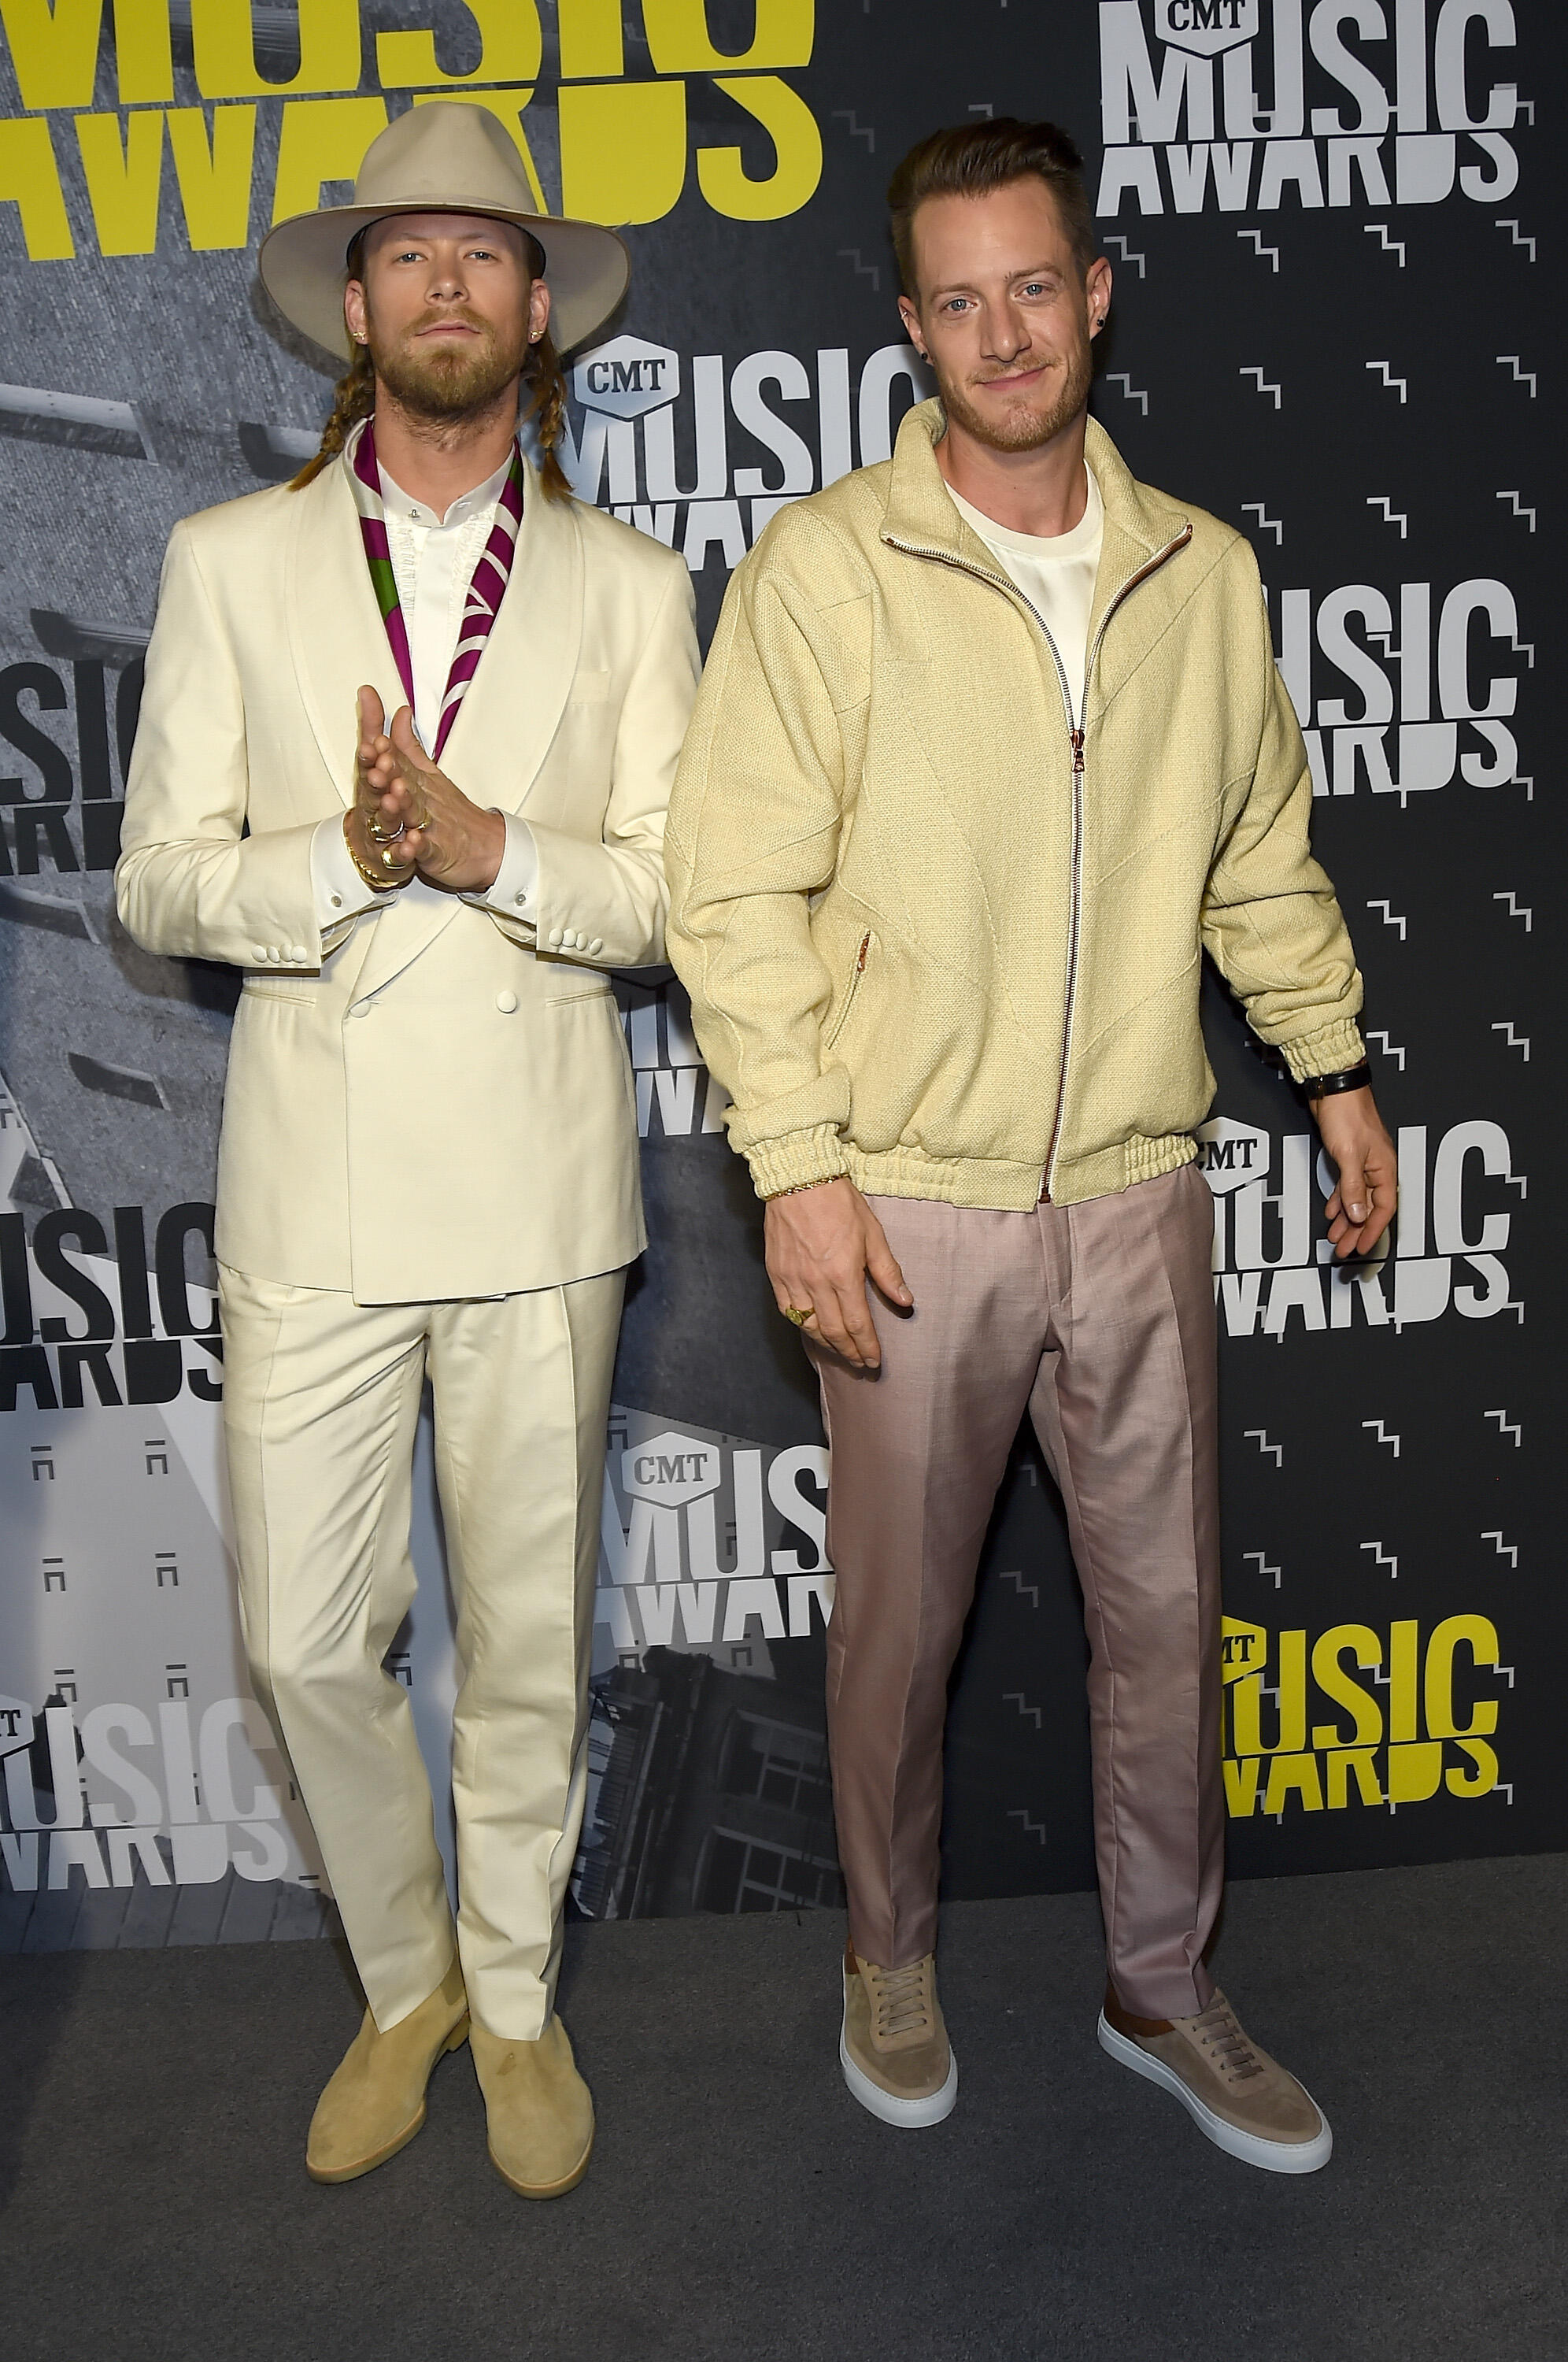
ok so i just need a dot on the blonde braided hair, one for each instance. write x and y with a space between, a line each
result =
546 387
355 398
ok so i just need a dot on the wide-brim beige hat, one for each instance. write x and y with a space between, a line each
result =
446 157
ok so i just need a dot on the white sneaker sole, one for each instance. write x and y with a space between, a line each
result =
908 2115
1271 2156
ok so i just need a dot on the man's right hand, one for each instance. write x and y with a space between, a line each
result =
823 1246
374 807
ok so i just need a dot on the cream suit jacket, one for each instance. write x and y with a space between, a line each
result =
435 1100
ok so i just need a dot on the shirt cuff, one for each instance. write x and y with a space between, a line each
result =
513 889
339 891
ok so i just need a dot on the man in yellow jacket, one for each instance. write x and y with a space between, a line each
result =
991 747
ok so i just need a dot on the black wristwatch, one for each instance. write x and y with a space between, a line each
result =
1350 1078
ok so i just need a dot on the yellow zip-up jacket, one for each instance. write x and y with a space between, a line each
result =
941 933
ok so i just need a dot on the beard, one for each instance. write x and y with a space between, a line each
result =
1024 425
449 385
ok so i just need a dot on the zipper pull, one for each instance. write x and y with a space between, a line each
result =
1078 736
865 947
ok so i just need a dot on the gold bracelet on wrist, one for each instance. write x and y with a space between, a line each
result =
798 1188
384 885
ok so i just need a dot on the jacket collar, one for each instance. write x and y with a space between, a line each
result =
1139 524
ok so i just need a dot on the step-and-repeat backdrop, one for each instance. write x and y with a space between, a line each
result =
1333 229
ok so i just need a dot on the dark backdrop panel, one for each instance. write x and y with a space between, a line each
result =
1334 234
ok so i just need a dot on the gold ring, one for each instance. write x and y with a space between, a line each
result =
388 863
793 1312
385 836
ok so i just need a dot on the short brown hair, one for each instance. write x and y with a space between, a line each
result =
971 159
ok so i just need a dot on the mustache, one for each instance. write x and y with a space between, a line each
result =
440 319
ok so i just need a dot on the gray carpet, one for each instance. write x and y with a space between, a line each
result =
741 2205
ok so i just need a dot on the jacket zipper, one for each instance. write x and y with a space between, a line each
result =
855 973
1076 744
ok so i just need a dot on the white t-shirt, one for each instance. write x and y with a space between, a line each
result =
1055 572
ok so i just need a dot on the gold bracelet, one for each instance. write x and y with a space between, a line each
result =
798 1188
376 885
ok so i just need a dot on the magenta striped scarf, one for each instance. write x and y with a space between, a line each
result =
483 601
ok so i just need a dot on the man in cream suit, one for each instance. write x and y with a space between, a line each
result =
429 1157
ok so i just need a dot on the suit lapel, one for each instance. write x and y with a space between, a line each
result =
336 638
511 710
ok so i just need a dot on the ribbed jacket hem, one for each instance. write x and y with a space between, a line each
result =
796 1160
991 1182
1327 1052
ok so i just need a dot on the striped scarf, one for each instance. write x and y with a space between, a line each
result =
485 591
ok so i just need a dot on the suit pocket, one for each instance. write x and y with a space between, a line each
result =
301 990
580 992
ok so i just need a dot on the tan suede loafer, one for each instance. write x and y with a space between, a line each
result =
539 2111
1240 2098
374 2102
893 2047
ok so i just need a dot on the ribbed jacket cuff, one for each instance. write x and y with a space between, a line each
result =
1327 1052
795 1159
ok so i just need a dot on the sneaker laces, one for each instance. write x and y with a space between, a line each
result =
1216 2031
900 2001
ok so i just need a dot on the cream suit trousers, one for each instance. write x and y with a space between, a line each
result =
321 1400
1097 1319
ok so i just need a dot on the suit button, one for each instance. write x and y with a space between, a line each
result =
506 1002
556 939
521 901
595 948
336 901
260 952
299 952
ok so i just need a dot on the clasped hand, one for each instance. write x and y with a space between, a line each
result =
408 817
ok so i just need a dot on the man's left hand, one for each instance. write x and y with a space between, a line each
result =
1367 1191
453 843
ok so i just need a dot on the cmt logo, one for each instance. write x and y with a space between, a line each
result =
703 459
1230 1155
671 1469
179 1803
620 147
1356 1715
1406 690
1184 125
1207 27
626 378
1271 1257
704 1542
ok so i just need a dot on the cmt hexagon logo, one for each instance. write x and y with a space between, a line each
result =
1243 1649
1230 1155
1205 27
670 1469
627 377
16 1725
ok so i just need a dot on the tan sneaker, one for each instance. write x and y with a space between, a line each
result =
1239 2097
538 2110
374 2104
894 2048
